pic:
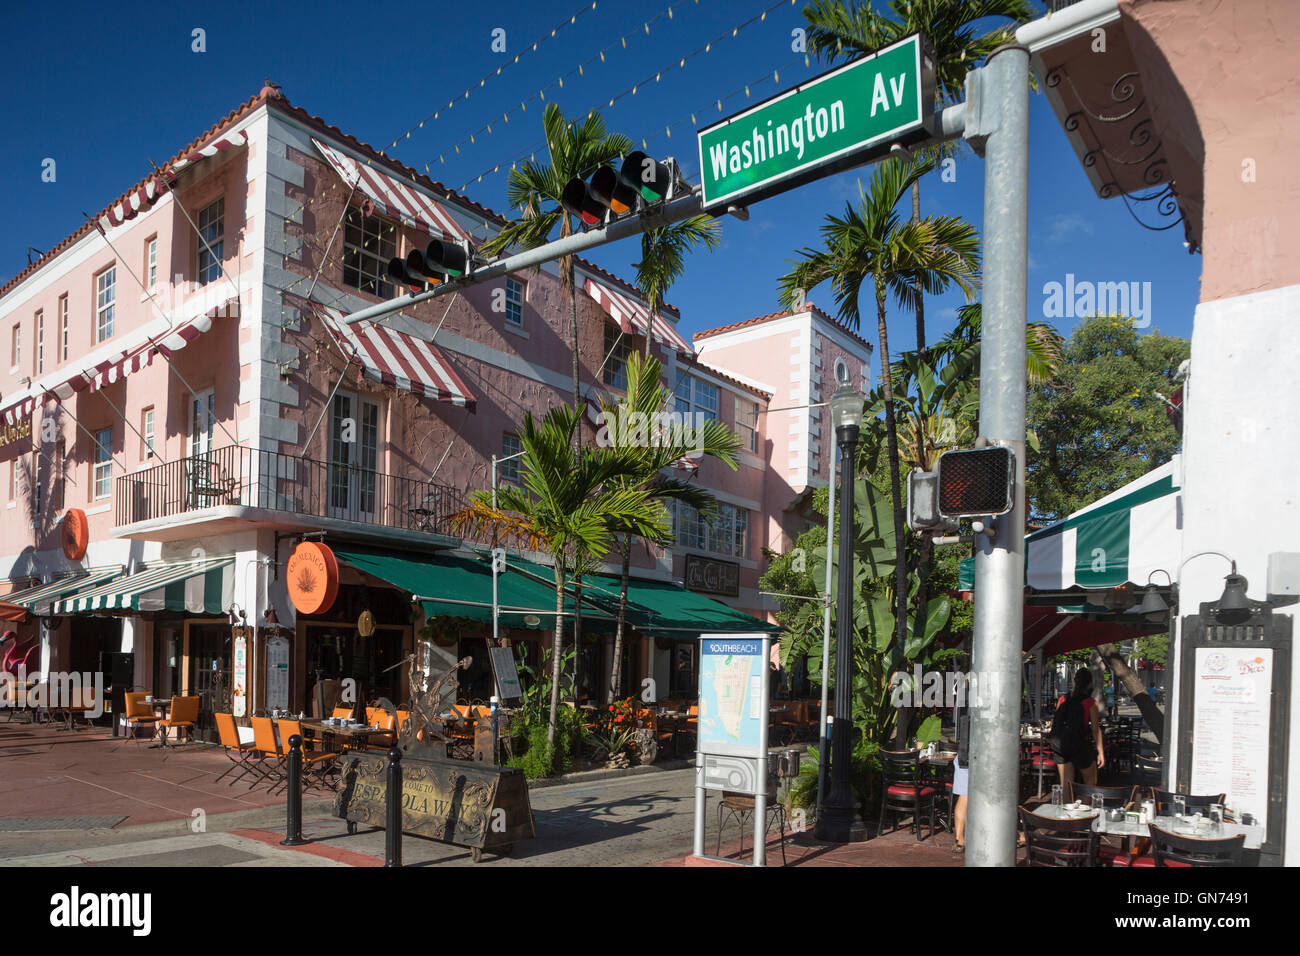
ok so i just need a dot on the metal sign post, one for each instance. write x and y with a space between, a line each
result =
731 749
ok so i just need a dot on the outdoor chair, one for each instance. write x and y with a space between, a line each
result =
905 791
1170 849
1113 798
81 700
1037 767
740 807
140 714
1050 842
343 713
1165 801
317 765
1148 771
247 759
265 742
184 713
384 721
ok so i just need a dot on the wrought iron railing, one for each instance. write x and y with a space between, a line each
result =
236 475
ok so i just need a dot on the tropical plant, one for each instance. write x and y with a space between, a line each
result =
836 31
638 430
870 243
576 149
663 259
565 506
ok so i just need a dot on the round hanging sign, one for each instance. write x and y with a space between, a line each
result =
75 534
312 578
366 624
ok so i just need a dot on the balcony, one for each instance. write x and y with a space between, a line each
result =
235 487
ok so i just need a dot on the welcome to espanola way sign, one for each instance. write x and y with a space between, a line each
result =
843 118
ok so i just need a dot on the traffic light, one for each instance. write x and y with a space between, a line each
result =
647 176
616 192
976 482
441 260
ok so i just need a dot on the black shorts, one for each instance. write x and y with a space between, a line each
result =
1083 758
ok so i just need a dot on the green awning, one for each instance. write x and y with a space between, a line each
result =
451 585
199 587
40 599
1124 537
658 608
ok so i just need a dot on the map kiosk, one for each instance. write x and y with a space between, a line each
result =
732 732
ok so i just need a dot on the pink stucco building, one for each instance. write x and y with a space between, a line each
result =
182 376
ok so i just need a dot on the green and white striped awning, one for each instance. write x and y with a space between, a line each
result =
199 587
1120 538
40 599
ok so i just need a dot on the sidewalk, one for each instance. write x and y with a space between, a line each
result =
82 779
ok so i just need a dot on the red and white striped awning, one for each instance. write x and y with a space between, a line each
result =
145 196
394 199
106 367
398 359
632 315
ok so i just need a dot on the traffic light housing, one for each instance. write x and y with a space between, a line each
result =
976 482
923 503
614 193
649 177
441 260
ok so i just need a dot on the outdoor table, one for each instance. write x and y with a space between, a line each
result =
354 737
23 688
1254 834
160 706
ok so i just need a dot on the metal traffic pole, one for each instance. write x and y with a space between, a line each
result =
997 124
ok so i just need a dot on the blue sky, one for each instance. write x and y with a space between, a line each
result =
102 90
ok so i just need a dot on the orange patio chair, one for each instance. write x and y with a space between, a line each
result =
316 764
140 714
183 714
265 742
384 721
343 713
248 755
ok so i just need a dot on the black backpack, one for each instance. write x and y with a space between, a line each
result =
1069 734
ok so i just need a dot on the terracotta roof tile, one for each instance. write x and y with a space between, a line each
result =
782 315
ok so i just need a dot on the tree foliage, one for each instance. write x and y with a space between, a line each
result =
1098 420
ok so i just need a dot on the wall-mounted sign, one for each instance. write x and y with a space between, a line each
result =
75 534
15 439
312 577
711 576
239 677
366 624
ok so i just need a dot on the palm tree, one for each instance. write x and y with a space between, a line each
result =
565 506
647 399
575 150
663 259
836 32
1042 344
871 243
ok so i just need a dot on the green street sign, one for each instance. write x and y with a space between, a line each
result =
843 118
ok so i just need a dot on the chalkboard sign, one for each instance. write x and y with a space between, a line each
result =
503 668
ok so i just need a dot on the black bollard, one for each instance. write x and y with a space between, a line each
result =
393 821
293 836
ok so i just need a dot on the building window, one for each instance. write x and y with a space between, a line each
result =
212 233
509 470
40 341
146 429
103 468
617 348
841 371
368 243
105 303
354 458
16 347
727 534
151 261
696 395
747 424
63 328
514 301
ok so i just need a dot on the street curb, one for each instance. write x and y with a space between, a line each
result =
591 776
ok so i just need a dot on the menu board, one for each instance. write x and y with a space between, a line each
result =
1230 725
277 674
